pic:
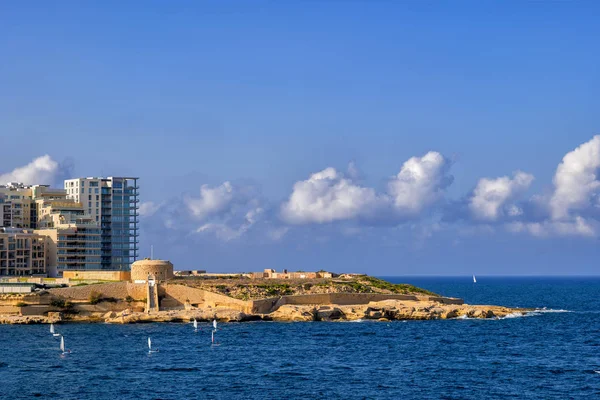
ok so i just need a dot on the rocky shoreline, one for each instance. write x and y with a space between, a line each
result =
387 310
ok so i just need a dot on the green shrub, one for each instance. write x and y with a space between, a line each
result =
129 299
20 304
95 297
58 303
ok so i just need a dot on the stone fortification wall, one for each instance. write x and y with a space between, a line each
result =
98 275
118 290
269 305
176 296
447 300
161 269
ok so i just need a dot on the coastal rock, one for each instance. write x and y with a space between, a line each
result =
293 313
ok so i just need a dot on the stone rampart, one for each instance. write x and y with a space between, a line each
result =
269 305
176 296
447 300
118 290
98 275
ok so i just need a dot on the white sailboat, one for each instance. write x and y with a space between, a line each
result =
52 330
62 346
195 325
474 280
215 324
150 347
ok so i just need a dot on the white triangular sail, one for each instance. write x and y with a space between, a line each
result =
215 323
474 280
52 329
195 324
149 344
62 344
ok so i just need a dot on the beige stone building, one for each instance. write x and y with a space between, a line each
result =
22 252
272 274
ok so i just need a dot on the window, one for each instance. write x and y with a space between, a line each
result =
96 190
90 190
90 204
97 204
90 197
97 197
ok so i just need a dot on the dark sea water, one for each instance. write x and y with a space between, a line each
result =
551 355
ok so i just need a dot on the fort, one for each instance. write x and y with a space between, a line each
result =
154 293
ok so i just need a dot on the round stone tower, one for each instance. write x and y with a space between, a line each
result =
161 270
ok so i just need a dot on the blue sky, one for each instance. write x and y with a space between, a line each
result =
251 99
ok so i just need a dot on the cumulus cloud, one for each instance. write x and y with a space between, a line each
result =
327 196
212 200
226 211
42 170
577 227
576 180
491 195
226 232
148 208
420 183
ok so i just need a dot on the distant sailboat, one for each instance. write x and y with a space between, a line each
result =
195 325
215 324
474 280
62 346
52 330
150 346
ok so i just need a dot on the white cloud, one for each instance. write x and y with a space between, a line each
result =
41 171
577 227
576 180
148 208
225 232
211 200
491 195
420 183
327 196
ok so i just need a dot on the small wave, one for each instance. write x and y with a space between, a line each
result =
515 315
598 372
549 310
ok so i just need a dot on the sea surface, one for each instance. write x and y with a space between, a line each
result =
550 355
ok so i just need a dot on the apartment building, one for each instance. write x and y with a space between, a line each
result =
74 235
22 252
16 205
113 203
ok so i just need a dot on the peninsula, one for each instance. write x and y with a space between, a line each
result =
155 294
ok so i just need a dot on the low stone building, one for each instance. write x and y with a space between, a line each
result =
272 274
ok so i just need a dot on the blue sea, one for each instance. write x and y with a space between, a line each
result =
551 355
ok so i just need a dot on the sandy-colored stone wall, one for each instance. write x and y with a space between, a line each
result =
118 290
98 275
269 305
176 296
447 300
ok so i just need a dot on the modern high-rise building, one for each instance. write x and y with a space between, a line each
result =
112 202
